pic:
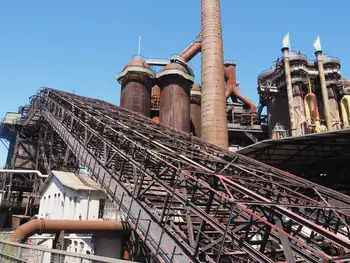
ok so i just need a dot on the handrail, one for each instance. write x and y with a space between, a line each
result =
59 252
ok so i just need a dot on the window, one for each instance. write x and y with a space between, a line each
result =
49 205
101 208
43 206
75 200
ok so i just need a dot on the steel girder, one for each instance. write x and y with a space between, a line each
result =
194 202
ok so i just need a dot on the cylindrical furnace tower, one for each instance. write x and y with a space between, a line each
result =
136 84
196 110
175 82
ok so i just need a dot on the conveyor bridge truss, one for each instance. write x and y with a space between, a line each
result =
189 201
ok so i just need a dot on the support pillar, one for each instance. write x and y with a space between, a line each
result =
326 107
285 51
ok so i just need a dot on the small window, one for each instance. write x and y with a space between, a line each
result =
101 208
87 252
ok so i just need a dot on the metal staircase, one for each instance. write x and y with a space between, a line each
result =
190 201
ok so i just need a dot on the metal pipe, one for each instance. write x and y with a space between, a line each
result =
213 109
24 172
41 226
231 88
285 51
327 115
191 51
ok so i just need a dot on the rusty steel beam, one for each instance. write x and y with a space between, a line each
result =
190 201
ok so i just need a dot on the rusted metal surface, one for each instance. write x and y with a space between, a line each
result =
289 90
326 108
190 201
345 81
191 51
333 108
278 117
299 109
156 119
155 97
175 97
213 111
196 110
232 91
136 88
68 226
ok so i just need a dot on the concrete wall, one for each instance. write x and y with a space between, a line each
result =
108 246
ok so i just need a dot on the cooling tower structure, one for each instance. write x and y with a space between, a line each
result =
213 111
285 112
136 82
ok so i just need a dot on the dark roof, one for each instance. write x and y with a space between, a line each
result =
321 152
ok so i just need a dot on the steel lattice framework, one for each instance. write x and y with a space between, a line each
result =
190 201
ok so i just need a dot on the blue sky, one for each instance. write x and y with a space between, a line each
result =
80 45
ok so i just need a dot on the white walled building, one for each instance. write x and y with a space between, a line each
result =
69 196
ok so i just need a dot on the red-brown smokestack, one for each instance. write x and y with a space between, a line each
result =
213 110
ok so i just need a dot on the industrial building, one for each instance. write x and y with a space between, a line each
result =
185 172
304 96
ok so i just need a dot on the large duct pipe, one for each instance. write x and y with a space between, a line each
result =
345 110
191 51
311 113
325 100
231 88
213 109
40 226
285 51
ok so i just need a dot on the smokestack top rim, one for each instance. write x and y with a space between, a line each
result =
230 63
